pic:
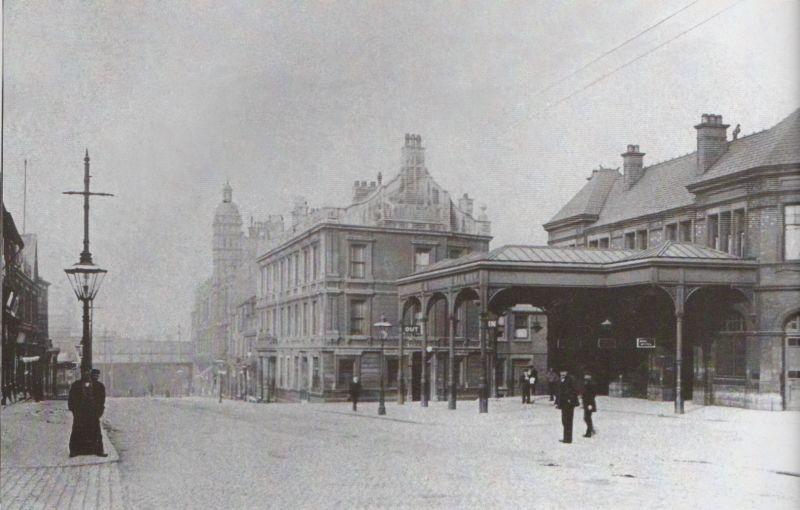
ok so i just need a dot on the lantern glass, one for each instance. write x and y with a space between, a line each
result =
85 280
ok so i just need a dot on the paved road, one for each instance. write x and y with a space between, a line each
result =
195 453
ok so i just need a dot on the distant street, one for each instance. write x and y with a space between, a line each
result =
195 453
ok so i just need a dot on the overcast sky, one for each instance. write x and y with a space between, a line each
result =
286 99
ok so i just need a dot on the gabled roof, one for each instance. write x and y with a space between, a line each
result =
560 256
665 186
590 199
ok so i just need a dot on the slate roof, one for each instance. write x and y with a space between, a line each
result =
590 199
583 256
663 186
779 145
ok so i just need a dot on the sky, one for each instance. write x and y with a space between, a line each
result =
287 99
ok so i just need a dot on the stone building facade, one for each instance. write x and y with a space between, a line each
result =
331 276
740 196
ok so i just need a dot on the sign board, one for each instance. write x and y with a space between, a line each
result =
645 343
412 330
606 343
491 324
222 372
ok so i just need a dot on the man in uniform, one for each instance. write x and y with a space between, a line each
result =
568 401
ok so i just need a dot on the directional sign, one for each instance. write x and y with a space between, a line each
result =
645 343
606 343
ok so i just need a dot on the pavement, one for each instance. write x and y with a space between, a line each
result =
196 453
36 471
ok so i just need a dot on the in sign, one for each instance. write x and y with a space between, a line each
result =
645 343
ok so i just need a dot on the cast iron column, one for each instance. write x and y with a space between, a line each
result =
678 361
483 406
451 376
401 384
423 376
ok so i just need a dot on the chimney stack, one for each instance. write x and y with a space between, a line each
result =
712 141
632 165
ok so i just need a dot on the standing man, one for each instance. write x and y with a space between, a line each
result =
525 387
355 392
589 404
532 377
87 402
568 401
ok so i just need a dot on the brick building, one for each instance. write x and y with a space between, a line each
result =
331 277
671 281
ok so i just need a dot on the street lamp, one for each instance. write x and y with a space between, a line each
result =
85 277
383 327
483 405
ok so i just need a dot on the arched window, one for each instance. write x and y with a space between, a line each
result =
793 325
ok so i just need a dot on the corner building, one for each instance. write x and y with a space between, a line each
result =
674 281
331 277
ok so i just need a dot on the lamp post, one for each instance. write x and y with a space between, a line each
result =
220 373
383 327
85 277
423 376
483 406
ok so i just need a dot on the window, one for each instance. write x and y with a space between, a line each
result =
671 232
296 326
686 231
314 318
738 248
791 232
315 262
305 265
793 324
358 262
346 371
641 239
712 226
422 258
630 240
594 243
454 253
296 269
725 234
358 314
520 325
305 318
604 242
731 356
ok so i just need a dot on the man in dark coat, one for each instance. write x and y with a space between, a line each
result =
87 398
525 387
355 392
568 401
589 404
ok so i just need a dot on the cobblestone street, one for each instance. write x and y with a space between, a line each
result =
195 453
